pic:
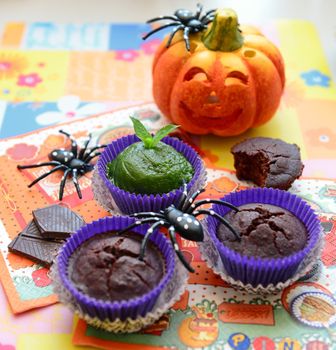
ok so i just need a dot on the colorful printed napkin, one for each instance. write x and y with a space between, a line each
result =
26 284
56 76
213 315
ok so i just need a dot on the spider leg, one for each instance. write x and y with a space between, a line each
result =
62 184
220 218
46 174
172 235
85 156
216 201
208 17
199 10
159 28
206 22
209 12
186 37
148 234
173 18
83 150
74 147
173 33
183 197
187 205
75 181
38 165
149 214
89 158
138 223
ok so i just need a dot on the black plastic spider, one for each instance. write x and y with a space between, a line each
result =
184 20
75 162
181 219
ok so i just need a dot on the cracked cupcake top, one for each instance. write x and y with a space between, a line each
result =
266 231
267 162
107 267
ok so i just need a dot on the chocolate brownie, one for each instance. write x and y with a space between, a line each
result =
267 162
107 267
267 231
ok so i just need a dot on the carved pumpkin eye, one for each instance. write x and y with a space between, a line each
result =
236 77
196 73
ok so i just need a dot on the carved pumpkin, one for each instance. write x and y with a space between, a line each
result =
229 81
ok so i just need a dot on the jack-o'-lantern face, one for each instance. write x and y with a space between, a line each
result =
216 97
199 330
224 85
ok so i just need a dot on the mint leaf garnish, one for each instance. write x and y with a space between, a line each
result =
148 140
141 131
163 132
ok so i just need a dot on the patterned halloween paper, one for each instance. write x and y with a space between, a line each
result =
212 315
28 285
56 76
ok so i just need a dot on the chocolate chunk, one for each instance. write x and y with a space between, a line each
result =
34 248
42 238
57 222
32 231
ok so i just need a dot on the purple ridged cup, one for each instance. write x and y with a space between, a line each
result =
113 310
129 203
265 271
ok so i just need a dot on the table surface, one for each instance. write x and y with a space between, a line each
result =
56 320
319 12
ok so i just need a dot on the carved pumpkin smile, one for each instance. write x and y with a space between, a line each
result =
215 121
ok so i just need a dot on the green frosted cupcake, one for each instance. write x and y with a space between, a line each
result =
149 166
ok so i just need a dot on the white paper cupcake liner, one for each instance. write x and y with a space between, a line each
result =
211 256
102 195
256 274
135 313
168 297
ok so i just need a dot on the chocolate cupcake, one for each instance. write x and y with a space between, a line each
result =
99 275
280 239
108 267
266 231
133 178
267 162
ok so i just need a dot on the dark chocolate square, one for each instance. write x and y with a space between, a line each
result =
39 250
57 222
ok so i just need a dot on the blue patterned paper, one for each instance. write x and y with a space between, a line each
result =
316 78
51 36
87 37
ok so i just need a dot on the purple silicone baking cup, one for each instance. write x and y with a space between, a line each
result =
129 203
255 271
103 310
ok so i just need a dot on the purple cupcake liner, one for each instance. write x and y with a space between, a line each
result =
118 309
258 271
129 203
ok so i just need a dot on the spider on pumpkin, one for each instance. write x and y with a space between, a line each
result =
181 219
75 162
184 20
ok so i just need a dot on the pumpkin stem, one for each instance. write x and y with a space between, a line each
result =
224 33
